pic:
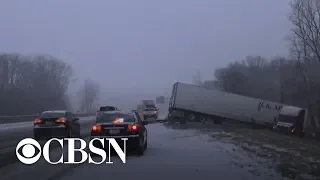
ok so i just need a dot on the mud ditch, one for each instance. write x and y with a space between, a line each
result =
293 157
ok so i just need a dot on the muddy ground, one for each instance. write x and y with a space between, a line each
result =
293 157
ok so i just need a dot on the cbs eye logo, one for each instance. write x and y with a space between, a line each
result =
26 151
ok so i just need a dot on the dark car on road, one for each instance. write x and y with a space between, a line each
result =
57 124
115 124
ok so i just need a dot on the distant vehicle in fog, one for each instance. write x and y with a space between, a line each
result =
150 112
148 102
193 103
106 108
142 107
58 124
151 106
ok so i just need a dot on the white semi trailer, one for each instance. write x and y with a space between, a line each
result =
193 103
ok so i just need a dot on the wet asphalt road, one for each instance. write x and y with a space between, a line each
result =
171 154
174 154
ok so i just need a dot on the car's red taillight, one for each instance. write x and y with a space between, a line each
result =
61 120
37 121
96 128
155 112
133 128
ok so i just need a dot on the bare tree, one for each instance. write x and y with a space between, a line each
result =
32 84
305 47
255 77
89 94
306 31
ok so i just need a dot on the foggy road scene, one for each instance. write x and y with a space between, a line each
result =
205 89
182 154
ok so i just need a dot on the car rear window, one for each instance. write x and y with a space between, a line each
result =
108 118
52 115
150 109
107 108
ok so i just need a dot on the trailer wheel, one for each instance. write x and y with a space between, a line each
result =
203 119
211 119
218 120
183 122
191 117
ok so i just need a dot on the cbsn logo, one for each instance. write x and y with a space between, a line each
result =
27 155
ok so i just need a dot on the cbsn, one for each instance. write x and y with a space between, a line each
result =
98 151
84 155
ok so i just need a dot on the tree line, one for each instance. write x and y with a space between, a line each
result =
31 84
292 80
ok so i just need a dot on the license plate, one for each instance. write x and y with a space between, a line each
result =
114 131
49 123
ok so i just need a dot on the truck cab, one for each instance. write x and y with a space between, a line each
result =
291 120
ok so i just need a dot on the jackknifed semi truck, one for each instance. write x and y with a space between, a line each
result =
193 103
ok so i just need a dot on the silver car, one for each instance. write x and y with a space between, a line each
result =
150 113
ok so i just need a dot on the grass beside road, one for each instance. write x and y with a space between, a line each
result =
292 156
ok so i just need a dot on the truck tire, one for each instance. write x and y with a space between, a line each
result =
203 119
183 122
191 117
218 120
172 120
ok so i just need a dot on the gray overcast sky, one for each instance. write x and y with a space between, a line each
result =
129 45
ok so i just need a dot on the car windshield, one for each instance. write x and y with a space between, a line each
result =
51 115
108 118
